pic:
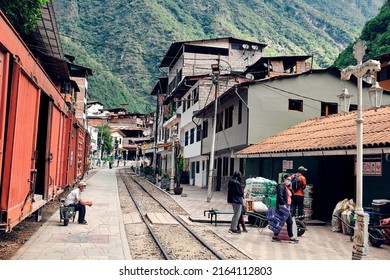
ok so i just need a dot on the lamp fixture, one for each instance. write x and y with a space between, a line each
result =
345 100
375 92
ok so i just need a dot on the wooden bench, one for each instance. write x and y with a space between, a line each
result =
213 214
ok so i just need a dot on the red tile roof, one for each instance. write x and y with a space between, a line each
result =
335 132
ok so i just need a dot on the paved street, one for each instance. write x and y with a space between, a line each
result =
104 237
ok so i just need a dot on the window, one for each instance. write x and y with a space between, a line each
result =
328 108
192 135
229 117
198 131
353 107
205 128
384 74
295 105
239 112
202 164
192 170
195 95
219 122
197 167
184 106
231 166
186 138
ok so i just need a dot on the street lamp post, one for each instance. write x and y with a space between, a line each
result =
172 181
360 239
216 72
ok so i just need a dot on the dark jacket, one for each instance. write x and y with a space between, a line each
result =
235 191
281 195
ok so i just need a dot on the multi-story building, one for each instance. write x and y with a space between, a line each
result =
189 87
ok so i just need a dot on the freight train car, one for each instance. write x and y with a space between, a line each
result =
42 146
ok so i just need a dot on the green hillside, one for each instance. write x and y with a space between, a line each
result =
376 34
123 41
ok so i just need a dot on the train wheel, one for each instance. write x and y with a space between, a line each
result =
376 237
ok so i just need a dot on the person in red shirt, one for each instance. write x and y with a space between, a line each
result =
298 195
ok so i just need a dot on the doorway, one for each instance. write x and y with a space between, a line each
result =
335 182
41 149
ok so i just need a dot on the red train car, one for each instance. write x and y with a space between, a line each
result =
42 146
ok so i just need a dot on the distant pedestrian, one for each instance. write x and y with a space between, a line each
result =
235 198
283 198
298 195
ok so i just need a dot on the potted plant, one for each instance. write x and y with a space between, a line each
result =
179 171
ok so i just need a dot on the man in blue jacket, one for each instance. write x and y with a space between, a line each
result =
234 197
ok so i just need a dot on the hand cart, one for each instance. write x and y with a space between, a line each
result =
66 213
378 234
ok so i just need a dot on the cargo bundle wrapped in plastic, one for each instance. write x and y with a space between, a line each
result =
259 187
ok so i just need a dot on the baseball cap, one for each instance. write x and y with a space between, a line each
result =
82 183
302 168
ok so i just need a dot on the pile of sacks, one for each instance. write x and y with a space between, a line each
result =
343 216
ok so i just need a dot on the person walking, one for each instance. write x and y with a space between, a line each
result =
283 198
241 220
298 195
235 198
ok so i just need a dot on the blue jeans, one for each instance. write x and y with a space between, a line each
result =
81 209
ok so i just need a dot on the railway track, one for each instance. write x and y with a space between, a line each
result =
161 230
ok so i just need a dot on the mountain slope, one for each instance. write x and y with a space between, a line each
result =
376 34
124 41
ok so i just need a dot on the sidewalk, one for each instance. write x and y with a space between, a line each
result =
317 243
104 237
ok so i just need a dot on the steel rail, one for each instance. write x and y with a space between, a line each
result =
151 231
177 218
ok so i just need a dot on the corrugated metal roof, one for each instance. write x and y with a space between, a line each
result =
47 46
334 132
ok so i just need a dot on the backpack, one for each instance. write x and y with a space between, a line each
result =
295 183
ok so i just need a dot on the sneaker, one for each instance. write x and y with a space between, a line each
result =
83 222
275 239
236 231
294 241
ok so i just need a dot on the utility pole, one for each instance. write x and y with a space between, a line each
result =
215 77
155 163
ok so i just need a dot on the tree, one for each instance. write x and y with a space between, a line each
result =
23 14
105 137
